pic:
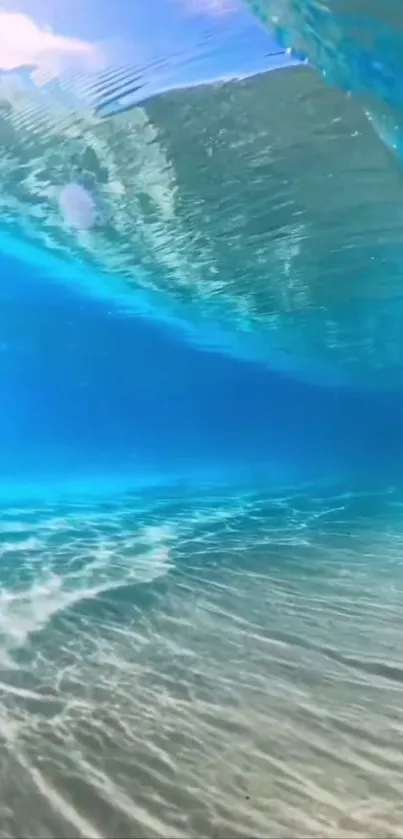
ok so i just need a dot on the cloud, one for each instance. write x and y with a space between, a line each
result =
23 42
213 8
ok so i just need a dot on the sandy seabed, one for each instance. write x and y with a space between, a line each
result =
196 667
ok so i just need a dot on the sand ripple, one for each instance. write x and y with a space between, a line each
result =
184 665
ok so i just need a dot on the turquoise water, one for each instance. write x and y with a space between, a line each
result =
290 185
201 420
202 662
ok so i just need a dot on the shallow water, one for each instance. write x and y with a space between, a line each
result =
178 662
201 551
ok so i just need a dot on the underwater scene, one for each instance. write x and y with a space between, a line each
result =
201 419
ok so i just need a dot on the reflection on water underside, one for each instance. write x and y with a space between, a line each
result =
266 211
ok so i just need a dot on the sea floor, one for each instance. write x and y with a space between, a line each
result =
178 663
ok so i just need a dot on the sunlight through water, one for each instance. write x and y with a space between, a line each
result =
201 419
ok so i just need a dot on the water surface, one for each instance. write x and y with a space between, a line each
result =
201 422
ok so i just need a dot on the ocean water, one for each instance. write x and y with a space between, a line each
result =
201 420
208 662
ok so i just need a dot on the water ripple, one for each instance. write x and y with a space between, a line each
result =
181 664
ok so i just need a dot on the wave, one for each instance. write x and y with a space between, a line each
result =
360 50
357 46
262 215
272 227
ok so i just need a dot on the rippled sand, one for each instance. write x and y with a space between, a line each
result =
183 665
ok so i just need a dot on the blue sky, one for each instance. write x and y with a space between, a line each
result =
99 34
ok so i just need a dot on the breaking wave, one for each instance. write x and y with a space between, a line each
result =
261 215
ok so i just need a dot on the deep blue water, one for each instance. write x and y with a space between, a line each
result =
201 584
88 392
201 420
